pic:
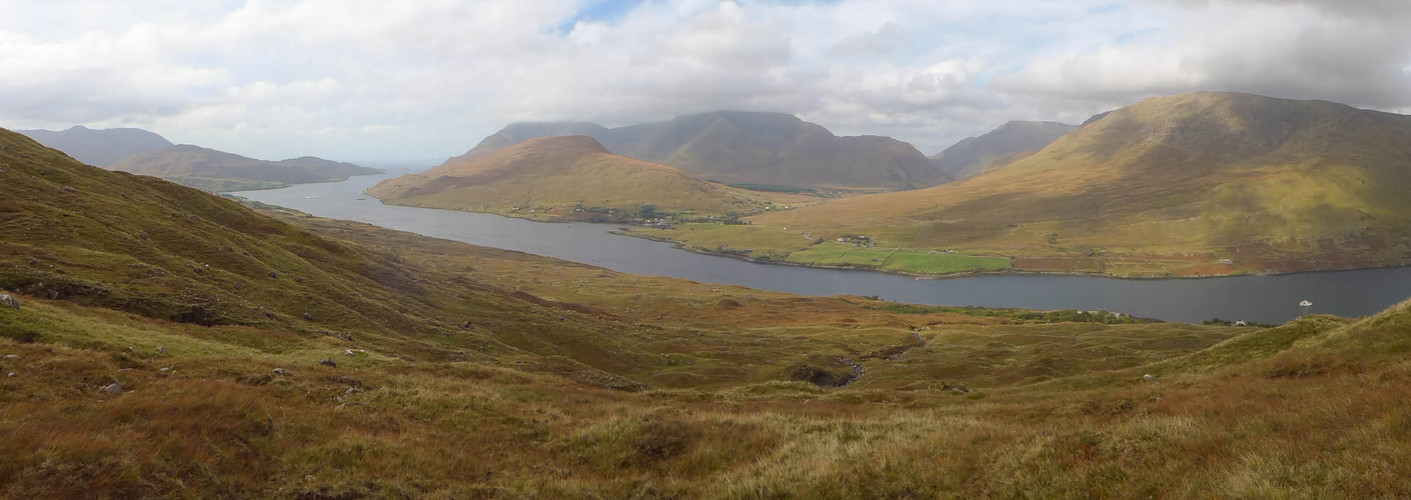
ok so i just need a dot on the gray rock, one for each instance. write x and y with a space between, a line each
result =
308 317
13 374
12 356
8 300
162 349
352 390
1149 377
281 371
113 389
328 362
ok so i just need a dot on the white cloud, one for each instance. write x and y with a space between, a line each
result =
365 79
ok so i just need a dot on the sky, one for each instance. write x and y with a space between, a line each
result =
414 80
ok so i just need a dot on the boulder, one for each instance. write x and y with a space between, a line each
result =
823 371
8 300
328 362
281 371
113 389
1149 377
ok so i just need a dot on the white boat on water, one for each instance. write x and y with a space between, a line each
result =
1305 303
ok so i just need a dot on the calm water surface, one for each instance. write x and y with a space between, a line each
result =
1267 299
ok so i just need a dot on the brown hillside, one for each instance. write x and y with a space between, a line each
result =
1277 183
554 175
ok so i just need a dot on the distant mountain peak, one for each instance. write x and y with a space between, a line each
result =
752 147
99 147
973 155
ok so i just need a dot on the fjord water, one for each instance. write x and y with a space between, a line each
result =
1266 299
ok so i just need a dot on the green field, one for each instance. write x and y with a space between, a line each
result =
894 259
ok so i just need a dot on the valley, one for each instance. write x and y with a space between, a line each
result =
1201 184
736 250
322 357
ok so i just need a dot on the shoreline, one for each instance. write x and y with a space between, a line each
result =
623 230
972 274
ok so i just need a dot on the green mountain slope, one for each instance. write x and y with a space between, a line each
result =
99 147
220 171
1201 183
971 156
564 177
748 148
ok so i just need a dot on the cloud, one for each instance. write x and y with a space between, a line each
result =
364 79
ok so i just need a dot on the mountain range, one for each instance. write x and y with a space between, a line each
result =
1006 144
1197 183
220 171
566 177
740 147
99 147
142 152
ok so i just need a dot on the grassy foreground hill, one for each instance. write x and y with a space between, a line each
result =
572 177
220 171
1193 184
466 372
740 147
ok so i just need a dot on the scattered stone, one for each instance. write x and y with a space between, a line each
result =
298 280
13 374
166 369
352 352
352 390
113 389
268 313
12 356
328 362
273 274
281 371
193 218
468 325
1149 377
561 318
310 478
8 300
162 349
308 317
70 189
